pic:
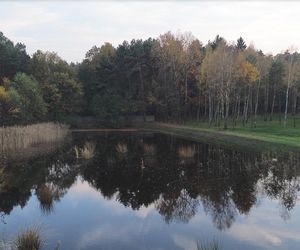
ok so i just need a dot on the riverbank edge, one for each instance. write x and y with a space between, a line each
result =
220 138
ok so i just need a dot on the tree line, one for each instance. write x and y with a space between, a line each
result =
174 77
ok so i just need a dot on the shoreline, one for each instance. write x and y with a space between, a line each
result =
223 138
226 138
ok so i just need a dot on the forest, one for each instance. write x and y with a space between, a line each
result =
174 77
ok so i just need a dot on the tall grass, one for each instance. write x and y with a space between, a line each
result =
86 152
149 149
186 152
46 195
213 245
29 239
5 245
17 138
122 148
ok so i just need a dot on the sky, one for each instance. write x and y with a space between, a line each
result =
71 28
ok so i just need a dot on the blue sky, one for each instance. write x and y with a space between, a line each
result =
71 28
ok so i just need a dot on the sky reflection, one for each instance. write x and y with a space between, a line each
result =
170 204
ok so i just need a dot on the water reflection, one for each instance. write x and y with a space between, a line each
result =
173 176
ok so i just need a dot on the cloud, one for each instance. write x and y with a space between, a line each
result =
105 232
71 28
263 229
17 17
184 242
144 212
83 190
256 235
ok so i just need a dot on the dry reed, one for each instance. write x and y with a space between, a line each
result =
186 151
29 239
213 245
46 195
18 138
149 149
86 152
122 148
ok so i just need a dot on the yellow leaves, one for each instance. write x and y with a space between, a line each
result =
4 96
209 66
13 111
249 71
5 99
152 99
6 82
295 72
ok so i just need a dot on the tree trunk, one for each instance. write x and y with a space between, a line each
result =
279 107
199 107
210 108
239 107
142 91
266 104
294 107
287 91
245 120
185 95
273 103
226 110
286 104
256 102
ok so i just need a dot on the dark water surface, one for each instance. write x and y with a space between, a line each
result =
152 191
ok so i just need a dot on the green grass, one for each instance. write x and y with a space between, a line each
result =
268 131
270 135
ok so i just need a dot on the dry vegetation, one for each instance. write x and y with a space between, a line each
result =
149 149
186 152
46 195
213 245
29 239
18 138
86 152
122 148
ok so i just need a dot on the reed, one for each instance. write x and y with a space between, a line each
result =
149 149
213 245
46 195
86 152
5 245
122 148
29 239
17 138
186 152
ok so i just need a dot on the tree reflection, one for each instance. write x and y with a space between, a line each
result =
180 208
173 174
46 175
222 210
180 175
282 182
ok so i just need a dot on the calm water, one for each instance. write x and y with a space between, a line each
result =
152 191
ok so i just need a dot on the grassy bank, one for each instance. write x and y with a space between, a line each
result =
268 131
270 135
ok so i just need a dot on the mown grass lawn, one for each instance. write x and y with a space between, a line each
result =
270 131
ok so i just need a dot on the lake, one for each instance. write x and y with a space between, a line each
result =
143 190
